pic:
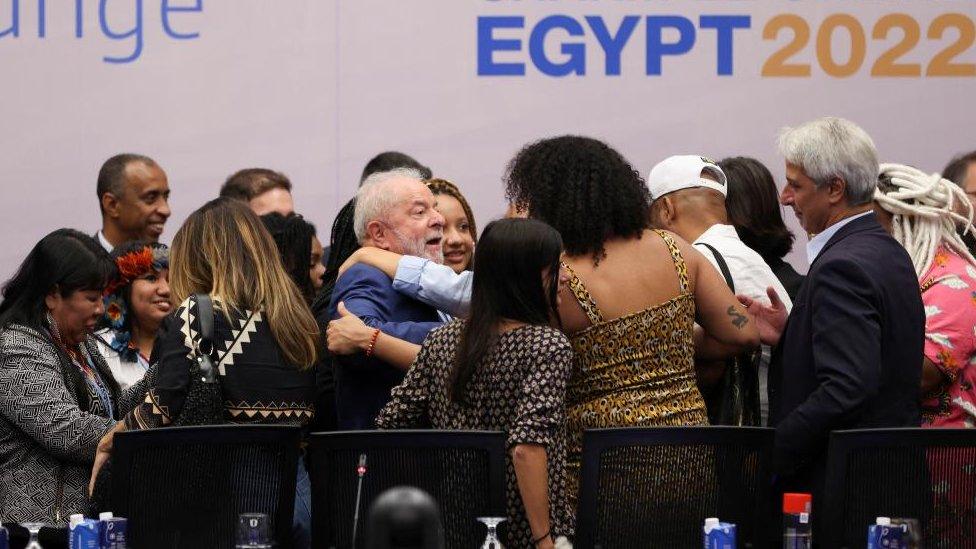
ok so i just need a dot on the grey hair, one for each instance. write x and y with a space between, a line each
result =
832 147
374 201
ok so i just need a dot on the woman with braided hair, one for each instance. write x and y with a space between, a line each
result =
923 212
300 250
342 244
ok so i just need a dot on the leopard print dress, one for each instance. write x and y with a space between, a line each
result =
635 370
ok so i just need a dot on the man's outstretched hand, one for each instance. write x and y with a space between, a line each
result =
770 319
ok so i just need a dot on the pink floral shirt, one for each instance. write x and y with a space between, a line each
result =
949 295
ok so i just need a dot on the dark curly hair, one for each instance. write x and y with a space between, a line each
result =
581 187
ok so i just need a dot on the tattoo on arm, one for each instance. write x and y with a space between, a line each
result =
738 319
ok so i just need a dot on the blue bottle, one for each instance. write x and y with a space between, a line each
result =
719 535
4 538
83 533
884 535
112 531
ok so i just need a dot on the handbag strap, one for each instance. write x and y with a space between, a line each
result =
722 265
205 314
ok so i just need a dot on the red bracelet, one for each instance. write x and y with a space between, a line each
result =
372 342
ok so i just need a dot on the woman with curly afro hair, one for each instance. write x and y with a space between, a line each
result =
634 293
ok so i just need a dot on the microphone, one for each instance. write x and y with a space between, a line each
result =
360 472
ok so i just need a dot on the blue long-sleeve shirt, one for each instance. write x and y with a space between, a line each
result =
363 383
435 284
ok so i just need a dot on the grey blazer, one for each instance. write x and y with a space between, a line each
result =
47 442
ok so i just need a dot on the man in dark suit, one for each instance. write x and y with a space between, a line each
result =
850 352
395 212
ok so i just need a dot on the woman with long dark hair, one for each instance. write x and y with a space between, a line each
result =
58 396
505 368
755 212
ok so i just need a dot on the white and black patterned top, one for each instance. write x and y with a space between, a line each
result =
50 424
519 388
257 382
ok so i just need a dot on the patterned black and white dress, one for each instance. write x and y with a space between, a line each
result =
257 382
519 388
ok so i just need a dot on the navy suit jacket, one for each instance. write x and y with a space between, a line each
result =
363 384
851 353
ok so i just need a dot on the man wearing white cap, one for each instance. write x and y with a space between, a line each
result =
688 194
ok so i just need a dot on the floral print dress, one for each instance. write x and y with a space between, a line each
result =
949 295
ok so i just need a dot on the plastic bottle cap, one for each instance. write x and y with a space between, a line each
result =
711 522
883 521
795 504
105 515
75 520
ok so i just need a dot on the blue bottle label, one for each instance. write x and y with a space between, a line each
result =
887 537
721 536
85 535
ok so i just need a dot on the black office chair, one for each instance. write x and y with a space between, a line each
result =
923 474
185 486
464 471
654 487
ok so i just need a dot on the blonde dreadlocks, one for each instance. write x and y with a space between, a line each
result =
925 210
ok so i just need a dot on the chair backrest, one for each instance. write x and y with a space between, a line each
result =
654 487
186 486
464 471
923 474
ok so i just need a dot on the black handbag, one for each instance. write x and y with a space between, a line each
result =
735 400
204 404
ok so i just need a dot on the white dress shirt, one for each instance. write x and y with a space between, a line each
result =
104 242
817 243
751 276
126 372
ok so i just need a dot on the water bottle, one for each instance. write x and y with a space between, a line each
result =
253 531
883 535
797 529
719 535
4 537
112 531
83 533
912 529
103 518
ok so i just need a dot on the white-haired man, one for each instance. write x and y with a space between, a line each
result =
851 348
394 212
